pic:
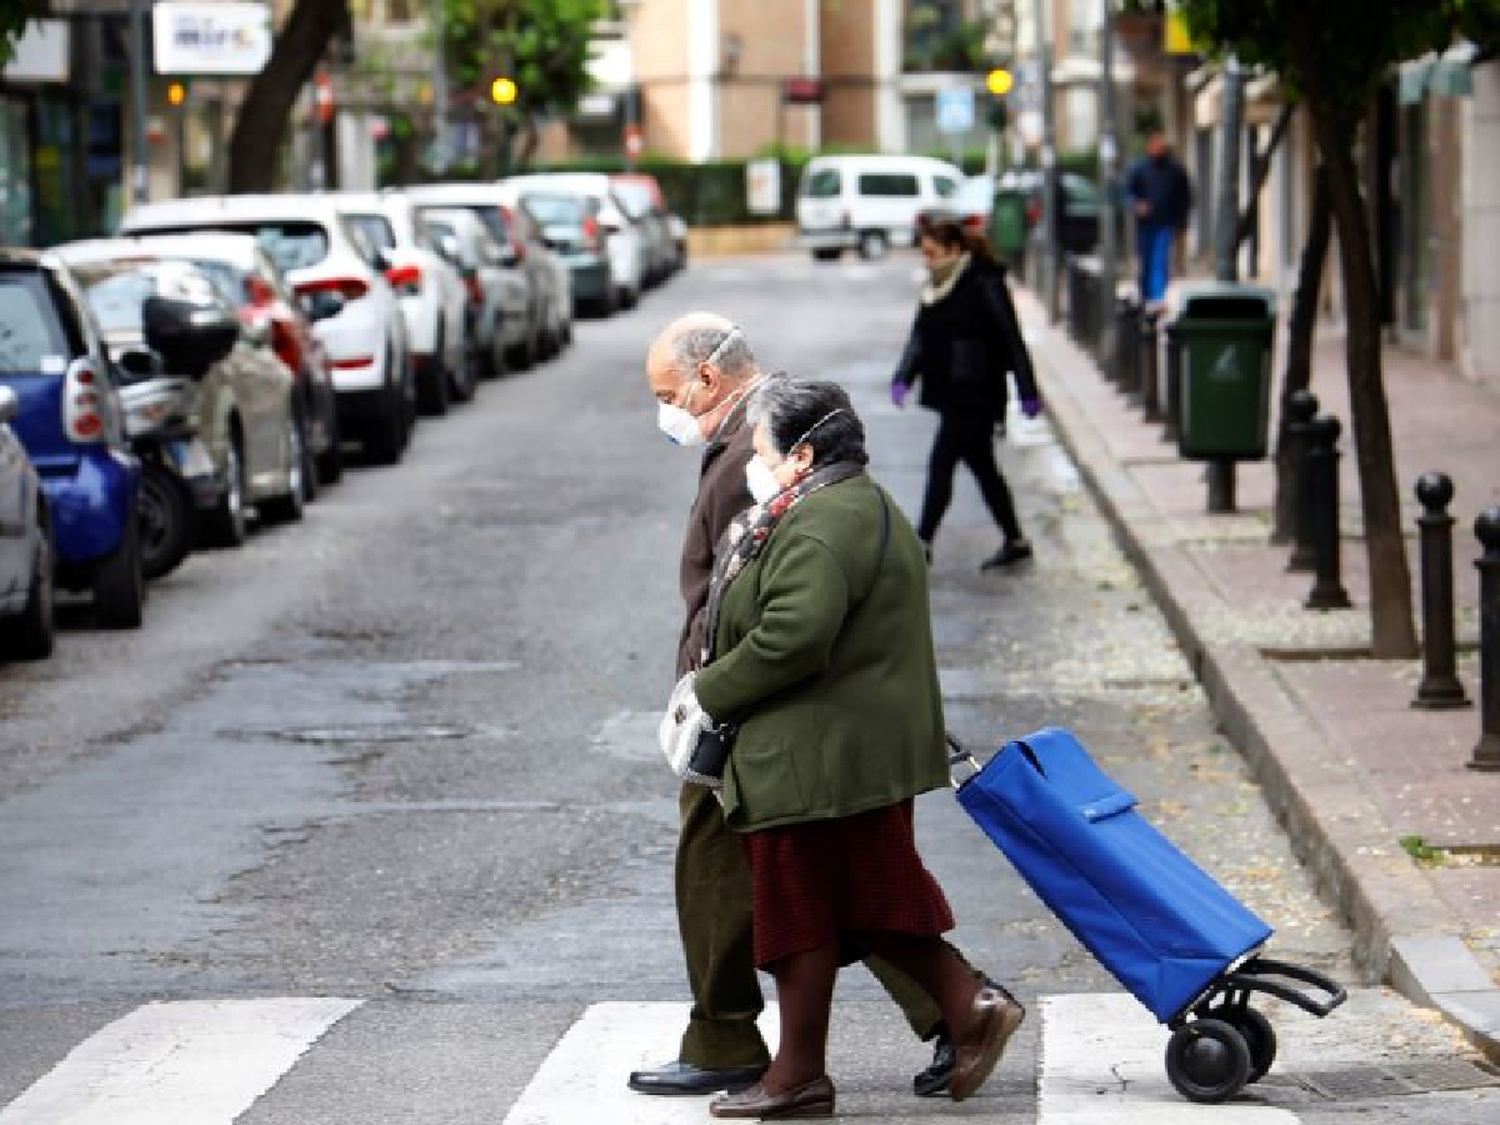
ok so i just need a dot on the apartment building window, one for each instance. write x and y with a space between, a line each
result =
405 11
1083 27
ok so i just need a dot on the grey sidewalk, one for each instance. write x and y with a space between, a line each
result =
1350 767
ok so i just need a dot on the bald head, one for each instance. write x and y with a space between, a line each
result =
696 338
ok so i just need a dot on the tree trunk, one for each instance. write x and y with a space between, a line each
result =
1393 629
261 124
1301 323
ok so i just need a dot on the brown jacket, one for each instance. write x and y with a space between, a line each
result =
722 495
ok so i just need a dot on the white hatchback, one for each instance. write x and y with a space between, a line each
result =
869 203
622 239
336 271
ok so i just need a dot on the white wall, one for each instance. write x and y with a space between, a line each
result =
1479 341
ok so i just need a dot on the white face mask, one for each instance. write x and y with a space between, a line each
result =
680 426
761 481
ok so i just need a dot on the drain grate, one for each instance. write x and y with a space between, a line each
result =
1389 1081
367 735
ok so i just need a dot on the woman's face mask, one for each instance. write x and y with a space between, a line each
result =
760 480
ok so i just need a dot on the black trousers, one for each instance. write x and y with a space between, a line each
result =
968 438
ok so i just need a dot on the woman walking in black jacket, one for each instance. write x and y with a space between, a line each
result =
966 337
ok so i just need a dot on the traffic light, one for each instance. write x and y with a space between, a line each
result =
998 82
177 94
503 91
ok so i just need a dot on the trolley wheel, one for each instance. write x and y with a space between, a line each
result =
1208 1061
1256 1030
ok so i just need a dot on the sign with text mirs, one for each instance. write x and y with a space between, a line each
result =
227 37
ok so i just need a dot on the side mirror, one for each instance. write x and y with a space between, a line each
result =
383 259
505 255
321 304
257 330
140 364
10 405
450 248
190 336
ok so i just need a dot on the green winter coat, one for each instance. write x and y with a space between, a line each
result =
824 655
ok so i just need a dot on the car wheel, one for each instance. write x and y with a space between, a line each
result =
226 524
464 378
32 635
330 463
523 355
872 245
119 584
827 253
291 504
164 514
629 298
432 384
386 438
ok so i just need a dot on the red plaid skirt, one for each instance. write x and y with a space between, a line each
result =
824 881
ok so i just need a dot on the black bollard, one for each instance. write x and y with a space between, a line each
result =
1440 689
1487 752
1323 481
1221 487
1127 347
1174 387
1301 408
1150 377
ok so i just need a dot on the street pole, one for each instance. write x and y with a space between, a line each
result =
1226 265
140 179
1108 157
440 157
1049 163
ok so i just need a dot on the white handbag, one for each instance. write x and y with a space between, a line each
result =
695 749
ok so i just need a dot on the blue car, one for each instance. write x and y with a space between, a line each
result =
26 630
72 427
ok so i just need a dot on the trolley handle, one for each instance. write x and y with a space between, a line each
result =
958 755
1251 976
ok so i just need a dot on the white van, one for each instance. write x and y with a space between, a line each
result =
868 202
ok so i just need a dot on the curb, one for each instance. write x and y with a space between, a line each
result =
1403 931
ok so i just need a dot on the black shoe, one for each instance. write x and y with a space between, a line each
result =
682 1078
933 1082
1011 551
926 549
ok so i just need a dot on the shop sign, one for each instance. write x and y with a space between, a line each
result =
41 53
226 37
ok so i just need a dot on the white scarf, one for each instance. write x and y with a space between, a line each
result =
933 293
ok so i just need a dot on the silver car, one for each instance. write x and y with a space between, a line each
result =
499 294
26 630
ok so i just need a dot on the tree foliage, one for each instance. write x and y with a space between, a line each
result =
542 44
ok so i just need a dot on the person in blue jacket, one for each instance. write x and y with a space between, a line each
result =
1162 197
965 338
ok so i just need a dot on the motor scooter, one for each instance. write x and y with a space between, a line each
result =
162 426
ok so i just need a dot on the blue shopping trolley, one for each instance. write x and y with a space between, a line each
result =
1177 940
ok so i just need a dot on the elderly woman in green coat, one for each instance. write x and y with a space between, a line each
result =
822 659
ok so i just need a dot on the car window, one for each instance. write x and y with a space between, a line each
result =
31 338
115 291
824 183
494 222
376 229
228 280
634 201
894 185
945 186
554 208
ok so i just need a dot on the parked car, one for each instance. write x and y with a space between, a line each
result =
658 251
971 205
271 313
499 303
570 224
241 400
622 238
26 627
73 430
520 249
336 273
676 228
557 317
431 293
868 202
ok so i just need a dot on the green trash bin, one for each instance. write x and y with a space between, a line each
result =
1223 334
1008 224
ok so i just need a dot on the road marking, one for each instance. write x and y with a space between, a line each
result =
197 1062
1102 1064
583 1079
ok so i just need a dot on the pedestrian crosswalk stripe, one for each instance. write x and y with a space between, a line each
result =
1102 1063
583 1079
196 1062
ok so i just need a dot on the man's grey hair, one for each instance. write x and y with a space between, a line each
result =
726 348
813 411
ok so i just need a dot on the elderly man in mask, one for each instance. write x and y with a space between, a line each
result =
701 370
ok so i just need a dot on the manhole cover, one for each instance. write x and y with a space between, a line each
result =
1387 1081
1447 1075
343 736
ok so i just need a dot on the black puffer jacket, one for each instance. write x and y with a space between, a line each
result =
962 345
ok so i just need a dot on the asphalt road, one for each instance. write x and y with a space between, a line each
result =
402 758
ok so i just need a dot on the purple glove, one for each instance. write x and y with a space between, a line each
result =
1031 407
899 391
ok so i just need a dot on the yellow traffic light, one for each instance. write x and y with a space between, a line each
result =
176 94
503 91
1000 81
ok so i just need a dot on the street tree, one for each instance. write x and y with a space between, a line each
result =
14 16
541 45
262 120
1333 55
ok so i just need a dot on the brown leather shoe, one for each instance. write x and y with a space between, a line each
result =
815 1099
997 1014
